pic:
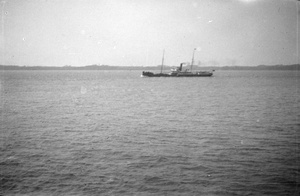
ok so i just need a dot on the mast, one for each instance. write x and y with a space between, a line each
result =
193 59
162 62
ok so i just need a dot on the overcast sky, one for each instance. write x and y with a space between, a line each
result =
135 32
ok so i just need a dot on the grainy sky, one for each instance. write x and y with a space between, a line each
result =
135 32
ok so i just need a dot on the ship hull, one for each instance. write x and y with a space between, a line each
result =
197 74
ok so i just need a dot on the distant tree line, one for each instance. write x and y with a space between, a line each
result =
158 67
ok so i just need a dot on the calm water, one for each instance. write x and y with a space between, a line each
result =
115 133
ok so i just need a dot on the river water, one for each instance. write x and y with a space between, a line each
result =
115 133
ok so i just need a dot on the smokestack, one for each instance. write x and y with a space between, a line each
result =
180 68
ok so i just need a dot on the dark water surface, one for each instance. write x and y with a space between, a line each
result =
115 133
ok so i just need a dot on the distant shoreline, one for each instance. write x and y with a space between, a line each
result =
108 67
